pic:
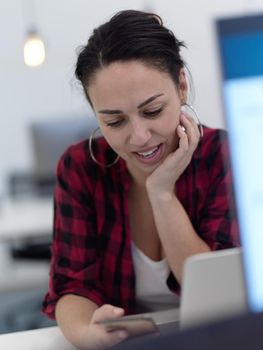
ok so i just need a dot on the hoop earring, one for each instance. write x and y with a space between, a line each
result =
92 154
200 127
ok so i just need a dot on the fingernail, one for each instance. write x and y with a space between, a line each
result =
183 128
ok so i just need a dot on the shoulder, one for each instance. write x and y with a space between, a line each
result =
214 142
75 156
213 138
78 154
76 162
212 152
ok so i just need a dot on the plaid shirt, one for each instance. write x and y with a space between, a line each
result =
91 251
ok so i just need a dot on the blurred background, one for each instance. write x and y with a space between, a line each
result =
43 110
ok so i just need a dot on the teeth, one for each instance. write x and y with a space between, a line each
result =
149 153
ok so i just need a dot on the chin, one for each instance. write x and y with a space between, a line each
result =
149 169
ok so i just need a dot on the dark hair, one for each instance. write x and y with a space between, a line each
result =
130 35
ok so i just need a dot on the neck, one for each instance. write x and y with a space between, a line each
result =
138 177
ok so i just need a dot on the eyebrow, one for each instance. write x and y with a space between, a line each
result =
118 111
150 99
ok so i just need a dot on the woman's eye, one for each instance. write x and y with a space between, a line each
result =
114 124
153 113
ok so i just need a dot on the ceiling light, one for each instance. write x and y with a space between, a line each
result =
34 50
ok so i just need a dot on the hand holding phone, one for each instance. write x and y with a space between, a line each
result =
134 325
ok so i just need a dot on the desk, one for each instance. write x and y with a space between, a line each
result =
25 218
49 338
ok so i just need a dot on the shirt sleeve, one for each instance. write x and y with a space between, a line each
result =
74 264
218 222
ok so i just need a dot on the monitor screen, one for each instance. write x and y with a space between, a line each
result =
241 51
51 137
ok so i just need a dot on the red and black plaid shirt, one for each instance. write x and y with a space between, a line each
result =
91 252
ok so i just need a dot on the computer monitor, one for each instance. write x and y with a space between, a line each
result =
51 137
241 52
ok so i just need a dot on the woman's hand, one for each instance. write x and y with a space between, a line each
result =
94 336
163 179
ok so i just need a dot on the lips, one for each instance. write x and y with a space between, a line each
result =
150 156
149 153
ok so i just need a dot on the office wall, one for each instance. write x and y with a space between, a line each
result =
50 91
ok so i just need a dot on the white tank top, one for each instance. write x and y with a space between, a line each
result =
152 293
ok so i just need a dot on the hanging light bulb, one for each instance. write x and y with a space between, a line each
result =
34 50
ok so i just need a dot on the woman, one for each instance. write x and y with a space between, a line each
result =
132 206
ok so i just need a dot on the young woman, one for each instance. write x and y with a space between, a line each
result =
132 205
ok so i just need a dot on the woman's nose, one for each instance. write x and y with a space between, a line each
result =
140 134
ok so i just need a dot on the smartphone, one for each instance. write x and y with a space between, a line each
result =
135 325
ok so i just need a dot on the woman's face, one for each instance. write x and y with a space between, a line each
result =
138 109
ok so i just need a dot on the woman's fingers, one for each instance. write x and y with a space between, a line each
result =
103 339
188 121
98 338
165 176
192 130
115 337
107 312
183 138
